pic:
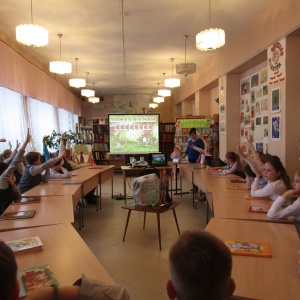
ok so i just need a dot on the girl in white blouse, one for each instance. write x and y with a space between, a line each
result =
276 212
275 175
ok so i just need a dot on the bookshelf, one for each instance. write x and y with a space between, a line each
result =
166 137
101 144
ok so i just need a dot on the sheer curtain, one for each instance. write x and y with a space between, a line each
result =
17 113
42 120
12 118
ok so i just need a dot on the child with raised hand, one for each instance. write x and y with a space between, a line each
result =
276 211
258 159
8 189
275 175
35 172
59 172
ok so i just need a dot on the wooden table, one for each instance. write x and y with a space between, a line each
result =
129 172
157 210
224 202
258 277
64 250
51 210
87 178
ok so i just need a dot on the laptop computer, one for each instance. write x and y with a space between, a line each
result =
158 159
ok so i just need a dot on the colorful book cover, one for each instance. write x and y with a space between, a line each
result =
29 244
239 187
258 209
12 215
34 277
28 200
249 248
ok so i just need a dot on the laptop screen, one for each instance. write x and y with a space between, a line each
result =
158 159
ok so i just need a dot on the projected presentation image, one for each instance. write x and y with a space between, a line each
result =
133 133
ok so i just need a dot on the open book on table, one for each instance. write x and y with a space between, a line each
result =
14 215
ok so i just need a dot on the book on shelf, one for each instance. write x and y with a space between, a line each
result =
249 197
30 244
28 200
34 277
238 247
14 215
259 209
238 187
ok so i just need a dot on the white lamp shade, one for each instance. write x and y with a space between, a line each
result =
87 93
164 92
32 35
158 99
94 99
77 82
172 82
210 39
153 105
60 67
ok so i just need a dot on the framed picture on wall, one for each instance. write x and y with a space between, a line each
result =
276 100
275 125
222 109
222 127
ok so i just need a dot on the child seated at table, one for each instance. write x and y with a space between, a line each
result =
276 211
85 288
233 165
57 171
35 172
8 189
200 267
275 175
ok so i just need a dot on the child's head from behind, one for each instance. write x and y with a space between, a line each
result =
9 288
230 157
33 158
200 267
6 154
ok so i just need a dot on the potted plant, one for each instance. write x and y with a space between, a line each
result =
53 140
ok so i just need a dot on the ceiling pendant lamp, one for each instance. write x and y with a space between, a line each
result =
172 82
164 92
158 99
210 39
153 105
87 92
77 82
32 35
185 68
60 67
94 99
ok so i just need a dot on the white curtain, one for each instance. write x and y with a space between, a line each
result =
17 113
12 118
